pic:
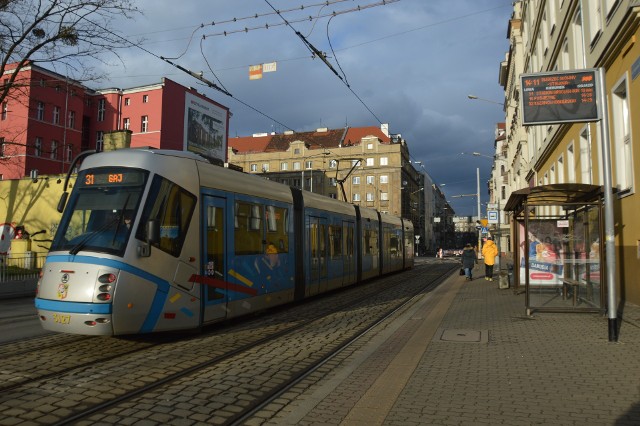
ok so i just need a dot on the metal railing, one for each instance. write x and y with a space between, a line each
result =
20 266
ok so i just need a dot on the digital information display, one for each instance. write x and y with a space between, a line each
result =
559 97
116 176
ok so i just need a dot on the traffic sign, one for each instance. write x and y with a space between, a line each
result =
492 216
484 230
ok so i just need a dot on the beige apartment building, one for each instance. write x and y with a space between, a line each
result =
555 35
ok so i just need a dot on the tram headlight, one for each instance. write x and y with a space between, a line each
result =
105 288
104 297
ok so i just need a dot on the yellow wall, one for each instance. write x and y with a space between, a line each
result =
32 205
626 208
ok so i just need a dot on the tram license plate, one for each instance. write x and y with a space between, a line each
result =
61 319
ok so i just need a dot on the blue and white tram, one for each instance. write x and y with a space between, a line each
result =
156 240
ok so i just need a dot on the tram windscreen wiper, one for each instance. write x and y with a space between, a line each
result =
92 235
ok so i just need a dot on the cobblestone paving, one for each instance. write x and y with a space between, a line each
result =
551 368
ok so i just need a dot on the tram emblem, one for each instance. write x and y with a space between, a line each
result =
63 290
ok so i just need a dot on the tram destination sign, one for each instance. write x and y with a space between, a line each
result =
559 97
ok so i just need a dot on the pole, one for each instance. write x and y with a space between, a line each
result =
479 230
609 227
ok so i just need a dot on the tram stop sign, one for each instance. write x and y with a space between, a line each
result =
492 216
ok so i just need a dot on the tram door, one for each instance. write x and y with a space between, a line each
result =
214 288
317 255
348 252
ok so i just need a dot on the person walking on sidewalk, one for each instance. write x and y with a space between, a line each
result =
489 252
469 259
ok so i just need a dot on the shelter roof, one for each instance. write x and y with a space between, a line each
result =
556 194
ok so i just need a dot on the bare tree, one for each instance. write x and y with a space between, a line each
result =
62 33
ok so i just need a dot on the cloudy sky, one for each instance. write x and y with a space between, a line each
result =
408 63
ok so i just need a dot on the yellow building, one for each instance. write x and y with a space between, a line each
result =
28 206
548 36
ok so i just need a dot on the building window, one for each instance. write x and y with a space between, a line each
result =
127 101
308 164
296 151
265 167
370 180
571 164
356 180
56 115
253 167
354 163
370 162
384 179
384 196
369 145
622 136
144 125
126 123
145 99
5 109
72 119
560 170
284 166
99 141
101 109
40 111
333 164
2 146
356 197
69 153
296 165
54 150
37 149
370 196
333 181
384 161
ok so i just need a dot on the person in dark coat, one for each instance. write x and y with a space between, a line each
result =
469 260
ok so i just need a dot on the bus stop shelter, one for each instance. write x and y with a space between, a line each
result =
558 256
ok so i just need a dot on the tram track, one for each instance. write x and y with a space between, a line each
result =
226 354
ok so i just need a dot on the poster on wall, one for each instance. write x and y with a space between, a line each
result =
205 130
545 254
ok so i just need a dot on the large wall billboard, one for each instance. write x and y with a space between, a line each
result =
205 130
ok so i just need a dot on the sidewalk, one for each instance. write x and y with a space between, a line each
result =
467 354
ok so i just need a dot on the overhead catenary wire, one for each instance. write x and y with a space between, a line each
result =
298 20
254 16
191 73
323 57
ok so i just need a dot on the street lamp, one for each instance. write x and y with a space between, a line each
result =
475 98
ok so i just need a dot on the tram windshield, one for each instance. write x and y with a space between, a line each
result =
100 213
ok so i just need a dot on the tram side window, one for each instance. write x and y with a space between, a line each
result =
335 241
172 207
249 229
277 225
393 245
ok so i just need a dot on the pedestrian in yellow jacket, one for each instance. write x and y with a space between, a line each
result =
489 252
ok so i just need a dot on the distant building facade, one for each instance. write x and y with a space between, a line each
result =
48 119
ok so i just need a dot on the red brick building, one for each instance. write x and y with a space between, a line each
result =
47 120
